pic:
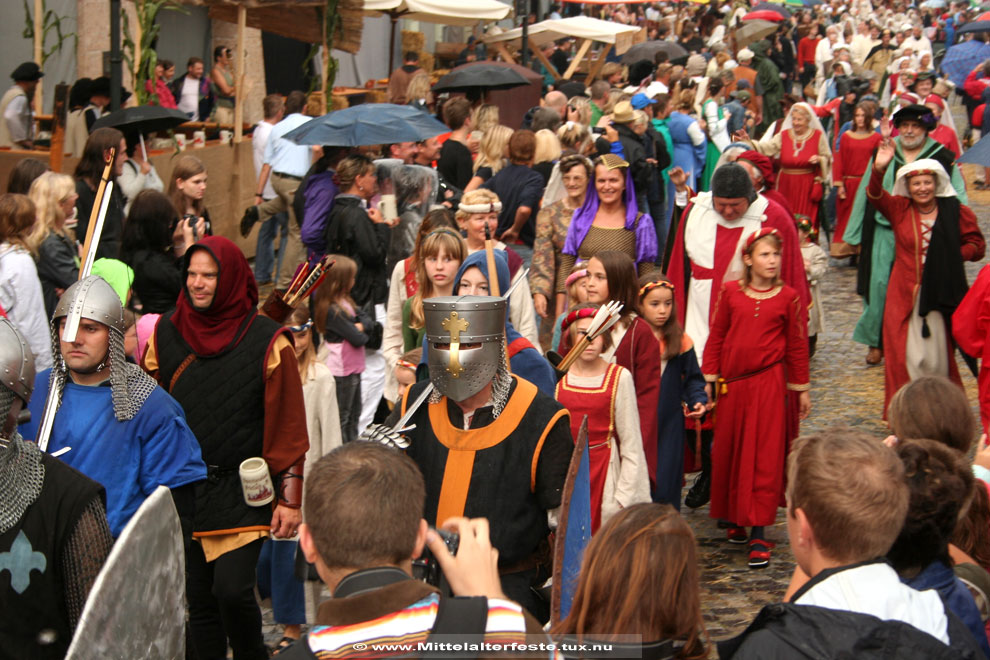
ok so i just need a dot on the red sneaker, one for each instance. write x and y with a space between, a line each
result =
759 553
736 535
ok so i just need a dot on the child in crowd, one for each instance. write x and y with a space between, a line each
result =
294 602
576 286
441 254
815 266
405 369
757 350
682 387
604 393
639 576
346 331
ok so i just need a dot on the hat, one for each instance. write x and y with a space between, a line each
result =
745 54
760 162
943 186
761 233
919 113
623 112
742 95
696 65
27 72
572 89
731 181
906 27
641 100
101 86
742 83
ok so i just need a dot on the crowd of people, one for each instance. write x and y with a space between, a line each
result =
696 201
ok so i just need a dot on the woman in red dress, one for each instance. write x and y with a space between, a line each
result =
802 150
612 276
934 233
757 350
851 158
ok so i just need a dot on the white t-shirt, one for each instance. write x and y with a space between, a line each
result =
189 98
259 140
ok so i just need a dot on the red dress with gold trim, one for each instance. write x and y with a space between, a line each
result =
758 343
796 179
598 403
851 158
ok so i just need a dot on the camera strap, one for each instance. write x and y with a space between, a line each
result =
466 617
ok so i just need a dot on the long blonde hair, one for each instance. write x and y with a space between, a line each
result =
300 316
48 192
484 117
443 239
547 146
491 151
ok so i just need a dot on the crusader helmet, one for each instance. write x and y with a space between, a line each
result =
453 322
94 299
16 362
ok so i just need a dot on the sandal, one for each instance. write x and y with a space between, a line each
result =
283 644
736 535
759 553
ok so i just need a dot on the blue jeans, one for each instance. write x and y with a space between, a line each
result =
265 258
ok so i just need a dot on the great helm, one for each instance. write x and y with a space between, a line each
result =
16 361
452 322
92 298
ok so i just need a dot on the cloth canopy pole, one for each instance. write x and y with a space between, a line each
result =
239 84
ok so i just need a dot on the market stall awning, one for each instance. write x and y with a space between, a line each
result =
578 27
301 20
448 12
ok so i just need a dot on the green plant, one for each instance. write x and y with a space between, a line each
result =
331 18
51 21
141 57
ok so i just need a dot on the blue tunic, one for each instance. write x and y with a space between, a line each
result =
687 156
681 382
130 459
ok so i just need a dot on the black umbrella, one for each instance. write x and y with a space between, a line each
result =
974 26
780 9
480 76
142 118
647 49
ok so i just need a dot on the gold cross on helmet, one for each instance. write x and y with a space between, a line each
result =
455 325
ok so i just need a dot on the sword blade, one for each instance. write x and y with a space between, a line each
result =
411 410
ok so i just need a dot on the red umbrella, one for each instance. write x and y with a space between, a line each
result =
763 15
985 16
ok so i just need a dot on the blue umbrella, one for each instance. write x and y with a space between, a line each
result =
370 123
974 26
978 154
962 58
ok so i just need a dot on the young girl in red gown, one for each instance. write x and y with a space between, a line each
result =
604 392
757 350
851 158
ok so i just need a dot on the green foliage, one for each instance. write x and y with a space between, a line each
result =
143 54
332 21
50 22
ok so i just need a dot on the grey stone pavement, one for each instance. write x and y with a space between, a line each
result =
845 391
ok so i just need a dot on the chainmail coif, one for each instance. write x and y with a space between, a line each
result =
129 384
21 472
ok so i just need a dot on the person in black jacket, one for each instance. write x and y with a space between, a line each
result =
87 174
854 604
54 196
148 249
361 234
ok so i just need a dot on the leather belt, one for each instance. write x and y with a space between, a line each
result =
289 176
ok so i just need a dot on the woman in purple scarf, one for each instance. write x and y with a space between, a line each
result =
610 220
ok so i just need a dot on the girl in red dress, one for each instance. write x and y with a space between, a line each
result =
851 158
757 350
612 276
934 234
605 393
802 150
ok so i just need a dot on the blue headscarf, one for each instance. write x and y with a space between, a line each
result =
646 234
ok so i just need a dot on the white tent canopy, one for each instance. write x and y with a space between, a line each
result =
579 27
448 12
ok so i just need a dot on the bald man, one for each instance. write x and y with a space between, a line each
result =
558 102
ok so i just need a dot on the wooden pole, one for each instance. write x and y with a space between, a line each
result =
504 52
544 61
576 62
239 85
57 151
598 64
39 36
323 69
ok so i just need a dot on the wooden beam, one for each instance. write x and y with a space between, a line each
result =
57 149
39 36
239 86
598 64
544 61
324 63
576 62
504 52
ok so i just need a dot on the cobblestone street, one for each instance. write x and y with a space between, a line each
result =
845 391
